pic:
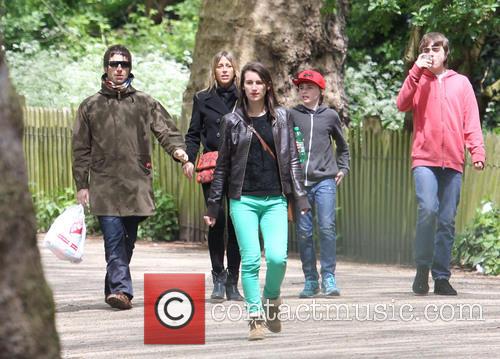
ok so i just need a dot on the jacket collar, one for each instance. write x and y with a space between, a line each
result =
106 91
214 102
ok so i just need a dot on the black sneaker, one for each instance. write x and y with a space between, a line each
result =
443 287
421 281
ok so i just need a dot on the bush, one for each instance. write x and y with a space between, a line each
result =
372 90
62 81
48 208
164 225
480 242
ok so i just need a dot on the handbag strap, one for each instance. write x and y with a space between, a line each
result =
262 142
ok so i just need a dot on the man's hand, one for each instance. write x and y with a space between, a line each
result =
424 61
188 169
209 220
479 165
82 197
338 178
181 155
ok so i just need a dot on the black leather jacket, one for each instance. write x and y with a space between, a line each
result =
233 155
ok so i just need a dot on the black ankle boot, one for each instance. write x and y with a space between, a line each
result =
443 287
219 280
232 292
421 281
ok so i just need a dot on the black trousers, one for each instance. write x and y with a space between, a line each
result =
216 243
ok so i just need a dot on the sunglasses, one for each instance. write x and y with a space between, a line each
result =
426 50
123 64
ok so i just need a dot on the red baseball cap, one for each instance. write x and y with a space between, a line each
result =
310 76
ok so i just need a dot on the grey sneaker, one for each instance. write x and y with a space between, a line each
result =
329 286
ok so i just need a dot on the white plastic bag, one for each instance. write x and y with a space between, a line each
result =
66 236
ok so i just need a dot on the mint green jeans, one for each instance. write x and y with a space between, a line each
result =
270 215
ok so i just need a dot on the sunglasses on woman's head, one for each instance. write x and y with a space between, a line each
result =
123 64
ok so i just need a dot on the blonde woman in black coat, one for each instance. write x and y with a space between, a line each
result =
209 105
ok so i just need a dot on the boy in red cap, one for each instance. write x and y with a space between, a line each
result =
323 172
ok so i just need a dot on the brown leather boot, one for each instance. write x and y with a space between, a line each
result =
272 310
118 300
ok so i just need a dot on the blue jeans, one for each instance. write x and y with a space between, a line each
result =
438 194
322 199
119 234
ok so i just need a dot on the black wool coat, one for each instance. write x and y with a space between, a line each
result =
208 109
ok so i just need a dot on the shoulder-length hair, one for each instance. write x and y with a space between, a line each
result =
212 79
436 39
270 101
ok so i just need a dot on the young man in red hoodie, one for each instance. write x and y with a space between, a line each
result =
445 120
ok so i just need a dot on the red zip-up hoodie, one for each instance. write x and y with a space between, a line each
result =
445 118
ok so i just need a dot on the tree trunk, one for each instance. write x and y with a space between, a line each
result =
27 328
286 35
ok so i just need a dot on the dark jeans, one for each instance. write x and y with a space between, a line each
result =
438 194
119 234
216 245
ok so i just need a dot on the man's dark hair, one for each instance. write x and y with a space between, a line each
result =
116 50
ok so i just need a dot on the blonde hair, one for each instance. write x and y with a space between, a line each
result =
212 79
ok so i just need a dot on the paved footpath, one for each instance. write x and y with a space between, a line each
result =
377 316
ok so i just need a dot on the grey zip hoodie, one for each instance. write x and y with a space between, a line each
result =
319 128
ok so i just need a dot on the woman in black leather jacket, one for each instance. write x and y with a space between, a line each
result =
209 105
258 174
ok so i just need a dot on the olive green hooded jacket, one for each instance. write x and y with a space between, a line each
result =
112 150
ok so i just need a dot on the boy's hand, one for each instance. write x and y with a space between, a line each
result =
424 61
479 165
338 178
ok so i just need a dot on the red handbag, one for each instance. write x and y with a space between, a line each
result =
205 167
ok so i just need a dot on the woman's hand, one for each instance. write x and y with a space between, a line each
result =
209 220
188 169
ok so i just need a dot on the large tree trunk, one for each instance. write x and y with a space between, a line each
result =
27 328
286 35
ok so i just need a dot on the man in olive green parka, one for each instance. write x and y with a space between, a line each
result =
112 164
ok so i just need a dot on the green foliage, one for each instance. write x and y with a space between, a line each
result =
48 208
55 48
75 25
50 77
372 91
480 242
164 225
381 29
